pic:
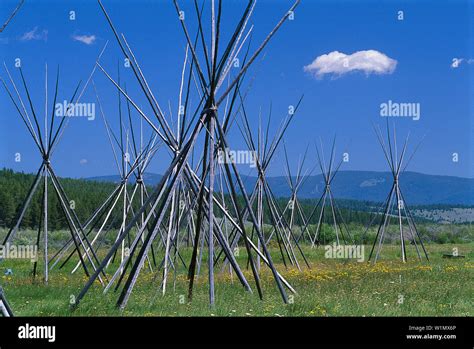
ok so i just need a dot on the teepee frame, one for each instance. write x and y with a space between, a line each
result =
328 173
262 192
395 201
132 162
46 141
205 121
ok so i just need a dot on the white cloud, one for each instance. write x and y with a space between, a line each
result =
83 161
35 34
338 63
85 39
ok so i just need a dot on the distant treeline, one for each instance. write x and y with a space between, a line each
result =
14 187
88 195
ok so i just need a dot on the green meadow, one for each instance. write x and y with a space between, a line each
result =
329 287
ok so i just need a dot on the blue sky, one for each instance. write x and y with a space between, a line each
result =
423 45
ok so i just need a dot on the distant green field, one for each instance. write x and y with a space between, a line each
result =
332 287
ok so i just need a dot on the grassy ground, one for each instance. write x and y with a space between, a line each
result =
332 287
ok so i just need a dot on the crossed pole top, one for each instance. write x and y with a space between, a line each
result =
300 176
328 172
45 139
217 68
390 151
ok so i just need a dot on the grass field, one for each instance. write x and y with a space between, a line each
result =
332 287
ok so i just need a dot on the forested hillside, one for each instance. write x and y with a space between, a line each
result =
87 195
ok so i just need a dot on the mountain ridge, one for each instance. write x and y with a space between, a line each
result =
417 188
